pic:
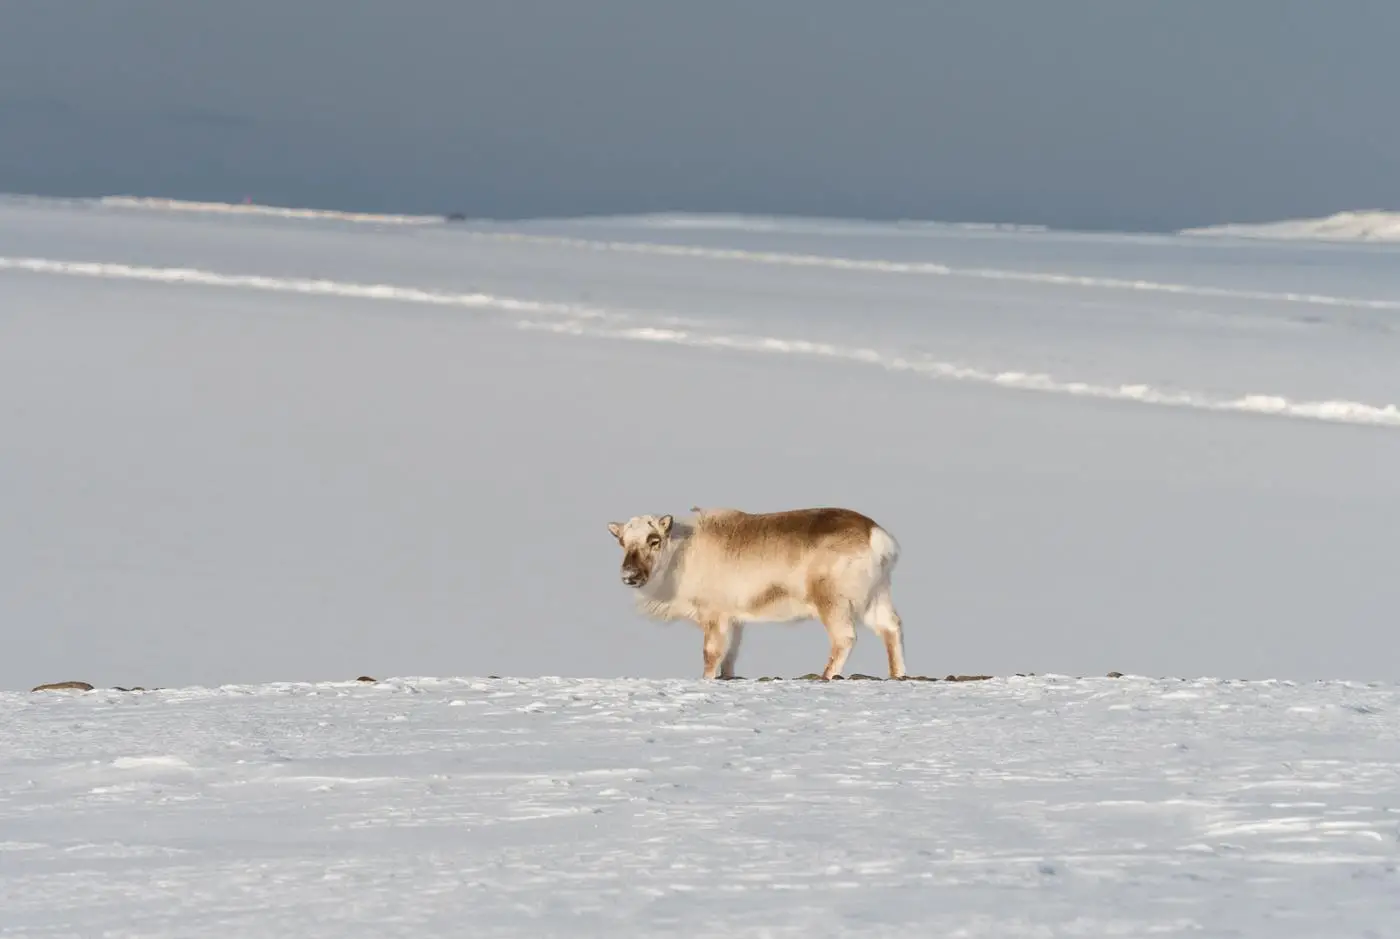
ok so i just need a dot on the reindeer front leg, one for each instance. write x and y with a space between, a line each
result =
717 630
731 655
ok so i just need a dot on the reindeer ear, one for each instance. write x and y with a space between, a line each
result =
664 523
616 530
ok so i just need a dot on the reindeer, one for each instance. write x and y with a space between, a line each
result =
721 568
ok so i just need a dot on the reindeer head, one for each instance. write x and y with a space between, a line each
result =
643 539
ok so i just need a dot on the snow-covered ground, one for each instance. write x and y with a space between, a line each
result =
245 445
584 807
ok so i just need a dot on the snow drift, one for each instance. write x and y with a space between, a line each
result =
1374 225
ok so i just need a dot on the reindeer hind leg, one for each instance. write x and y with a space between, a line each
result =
884 620
841 629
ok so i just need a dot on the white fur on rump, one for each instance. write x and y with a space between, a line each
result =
721 568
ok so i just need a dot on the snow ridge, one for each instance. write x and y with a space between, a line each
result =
582 320
710 221
1373 225
1339 412
191 276
807 225
274 211
933 268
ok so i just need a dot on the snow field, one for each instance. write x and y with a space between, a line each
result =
245 445
251 448
1039 806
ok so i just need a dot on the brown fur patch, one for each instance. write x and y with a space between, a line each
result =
822 594
773 594
741 532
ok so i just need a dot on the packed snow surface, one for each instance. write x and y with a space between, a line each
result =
1037 806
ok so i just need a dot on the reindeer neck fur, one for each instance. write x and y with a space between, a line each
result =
658 598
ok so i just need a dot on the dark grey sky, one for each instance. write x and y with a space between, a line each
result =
1118 114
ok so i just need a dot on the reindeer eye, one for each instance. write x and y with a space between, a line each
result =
654 541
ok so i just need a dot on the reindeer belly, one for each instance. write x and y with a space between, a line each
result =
779 610
774 595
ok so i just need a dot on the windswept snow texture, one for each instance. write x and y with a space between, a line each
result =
247 444
1374 225
544 808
